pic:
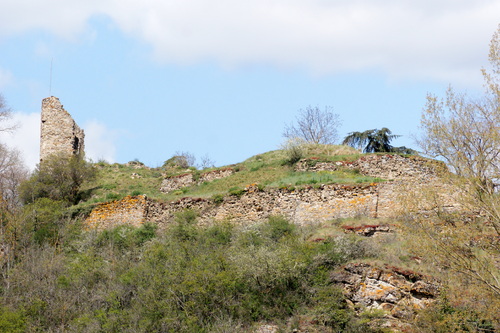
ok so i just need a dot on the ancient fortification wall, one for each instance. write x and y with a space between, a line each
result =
173 183
59 132
389 167
309 205
130 210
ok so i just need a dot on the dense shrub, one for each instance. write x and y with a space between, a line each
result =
59 177
187 278
11 321
43 219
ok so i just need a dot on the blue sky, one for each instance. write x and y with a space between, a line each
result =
222 78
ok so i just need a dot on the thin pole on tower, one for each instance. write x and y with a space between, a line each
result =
50 83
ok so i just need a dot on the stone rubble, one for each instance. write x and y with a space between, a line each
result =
177 182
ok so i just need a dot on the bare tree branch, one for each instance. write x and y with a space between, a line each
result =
315 126
5 114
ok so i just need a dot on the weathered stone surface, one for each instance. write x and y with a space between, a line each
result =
130 210
173 183
176 182
315 205
388 166
215 174
267 328
304 206
398 291
59 133
369 230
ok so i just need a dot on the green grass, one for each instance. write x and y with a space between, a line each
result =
323 177
268 170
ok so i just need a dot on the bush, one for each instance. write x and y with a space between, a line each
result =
278 227
59 178
127 237
44 218
294 150
11 321
185 228
330 309
218 199
181 160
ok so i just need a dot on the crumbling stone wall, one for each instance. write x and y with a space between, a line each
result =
173 183
387 166
59 132
176 182
301 206
318 204
130 210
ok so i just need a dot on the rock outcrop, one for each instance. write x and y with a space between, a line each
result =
399 292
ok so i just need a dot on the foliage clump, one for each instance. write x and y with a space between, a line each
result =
186 278
59 177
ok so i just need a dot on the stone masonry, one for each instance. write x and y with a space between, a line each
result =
59 132
176 182
306 205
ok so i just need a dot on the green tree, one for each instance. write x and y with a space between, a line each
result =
463 131
59 177
371 141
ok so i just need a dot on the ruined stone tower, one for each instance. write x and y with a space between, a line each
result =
59 132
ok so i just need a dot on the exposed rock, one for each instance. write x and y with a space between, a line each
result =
215 174
401 293
136 165
267 328
369 230
129 210
313 205
173 183
388 166
59 134
176 182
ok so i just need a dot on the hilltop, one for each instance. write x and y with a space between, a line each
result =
324 239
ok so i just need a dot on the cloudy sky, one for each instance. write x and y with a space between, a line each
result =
221 78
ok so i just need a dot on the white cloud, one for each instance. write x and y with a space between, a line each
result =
64 18
100 142
439 39
26 138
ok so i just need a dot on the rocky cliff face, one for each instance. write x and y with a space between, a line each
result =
59 132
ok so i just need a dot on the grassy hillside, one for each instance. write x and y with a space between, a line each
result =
58 276
271 169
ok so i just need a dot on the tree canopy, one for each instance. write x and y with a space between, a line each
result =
371 141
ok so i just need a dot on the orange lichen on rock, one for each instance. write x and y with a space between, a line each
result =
130 210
